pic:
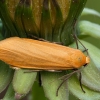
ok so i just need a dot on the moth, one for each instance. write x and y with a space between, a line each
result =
40 55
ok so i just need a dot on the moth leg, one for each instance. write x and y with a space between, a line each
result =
54 70
85 50
80 80
39 79
32 36
41 39
67 75
75 38
65 78
60 86
36 38
31 71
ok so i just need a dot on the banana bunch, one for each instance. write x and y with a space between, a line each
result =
89 36
52 20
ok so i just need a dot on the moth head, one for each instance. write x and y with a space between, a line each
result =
87 61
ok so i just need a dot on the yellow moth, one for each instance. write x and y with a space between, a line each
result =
40 55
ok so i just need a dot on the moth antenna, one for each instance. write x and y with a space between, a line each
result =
74 33
83 46
76 38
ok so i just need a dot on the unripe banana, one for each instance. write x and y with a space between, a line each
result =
18 19
6 18
6 75
75 90
23 81
28 19
76 7
51 82
9 94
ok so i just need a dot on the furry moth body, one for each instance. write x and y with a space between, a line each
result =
40 55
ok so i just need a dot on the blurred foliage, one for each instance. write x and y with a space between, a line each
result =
93 4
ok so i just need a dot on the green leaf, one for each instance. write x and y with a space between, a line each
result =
88 11
89 28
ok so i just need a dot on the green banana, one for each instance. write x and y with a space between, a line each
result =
76 7
93 29
35 92
0 26
81 5
46 24
18 19
58 22
91 76
23 81
51 82
6 75
92 71
74 88
28 19
6 18
10 94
